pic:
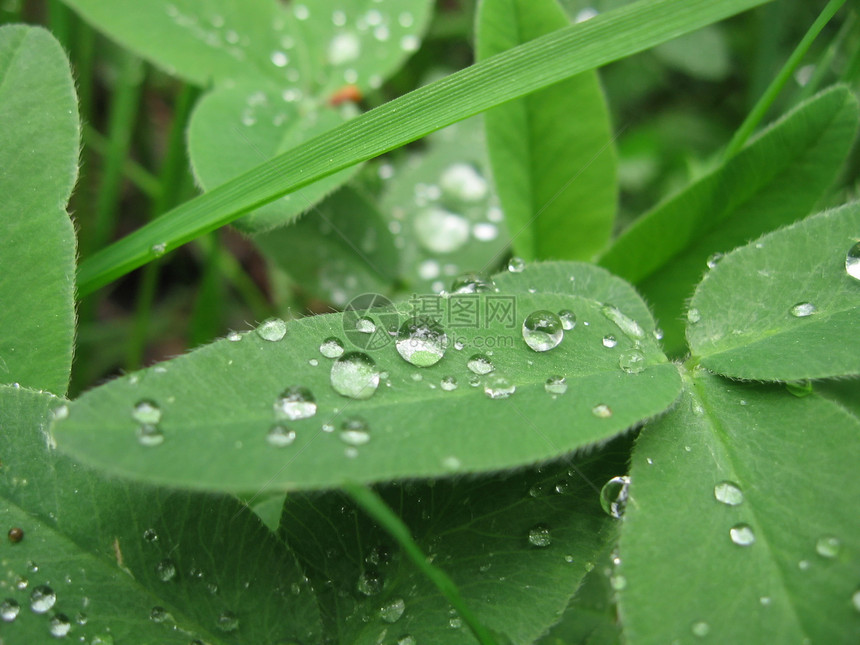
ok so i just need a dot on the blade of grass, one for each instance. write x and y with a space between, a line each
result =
760 109
514 73
825 63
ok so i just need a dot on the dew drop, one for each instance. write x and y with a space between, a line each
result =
828 546
166 570
701 629
392 611
802 309
728 493
480 364
296 402
279 59
568 319
609 341
149 435
714 259
227 622
365 325
273 329
280 436
42 599
614 495
369 584
150 535
742 534
542 330
463 182
354 431
516 265
627 325
301 12
344 48
601 411
146 411
472 283
632 362
693 316
421 342
852 262
448 383
556 385
539 536
355 375
9 610
441 231
409 43
799 389
234 336
855 600
498 387
60 625
407 639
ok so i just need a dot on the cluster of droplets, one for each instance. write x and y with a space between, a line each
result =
147 414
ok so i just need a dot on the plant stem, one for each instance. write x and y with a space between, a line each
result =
373 505
760 109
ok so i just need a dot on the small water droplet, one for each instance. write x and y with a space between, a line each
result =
227 622
658 333
855 600
701 629
60 625
280 436
765 601
61 412
828 546
693 316
803 565
462 181
601 411
331 347
614 495
728 493
421 342
166 570
802 309
632 362
627 325
472 283
354 431
344 48
609 341
150 535
714 259
480 364
355 375
799 389
407 639
448 383
568 319
279 58
539 536
542 330
301 12
42 599
9 610
81 618
618 582
369 583
234 336
296 402
392 611
852 261
742 534
273 329
149 435
516 265
556 385
365 325
21 584
441 231
146 411
498 387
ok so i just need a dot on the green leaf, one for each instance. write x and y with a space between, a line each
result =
217 403
551 152
784 307
105 548
39 139
774 181
547 60
476 531
794 461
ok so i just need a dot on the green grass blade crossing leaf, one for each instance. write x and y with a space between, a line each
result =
552 153
39 144
549 59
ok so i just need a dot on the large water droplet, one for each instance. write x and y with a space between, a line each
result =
601 411
296 402
355 375
540 536
365 325
369 583
472 283
828 546
9 610
448 383
614 495
280 436
421 341
227 622
331 347
629 326
166 570
462 181
59 625
556 385
355 431
728 493
480 364
42 599
498 387
273 329
344 48
568 319
802 309
742 535
392 611
632 362
146 411
516 265
149 435
441 231
542 330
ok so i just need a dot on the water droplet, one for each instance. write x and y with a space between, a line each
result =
765 601
59 625
392 611
448 383
451 463
146 411
480 364
516 265
701 629
355 375
601 411
331 347
344 48
728 493
150 535
852 261
463 182
365 325
296 402
440 230
81 618
693 316
627 325
455 622
279 59
556 385
568 319
803 565
21 584
542 330
369 583
855 600
9 610
407 639
802 309
828 546
632 362
472 283
742 534
166 570
618 582
799 389
227 622
149 435
539 536
421 342
609 341
355 431
485 232
409 43
301 12
280 436
714 259
42 599
614 495
273 329
658 333
498 387
234 336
